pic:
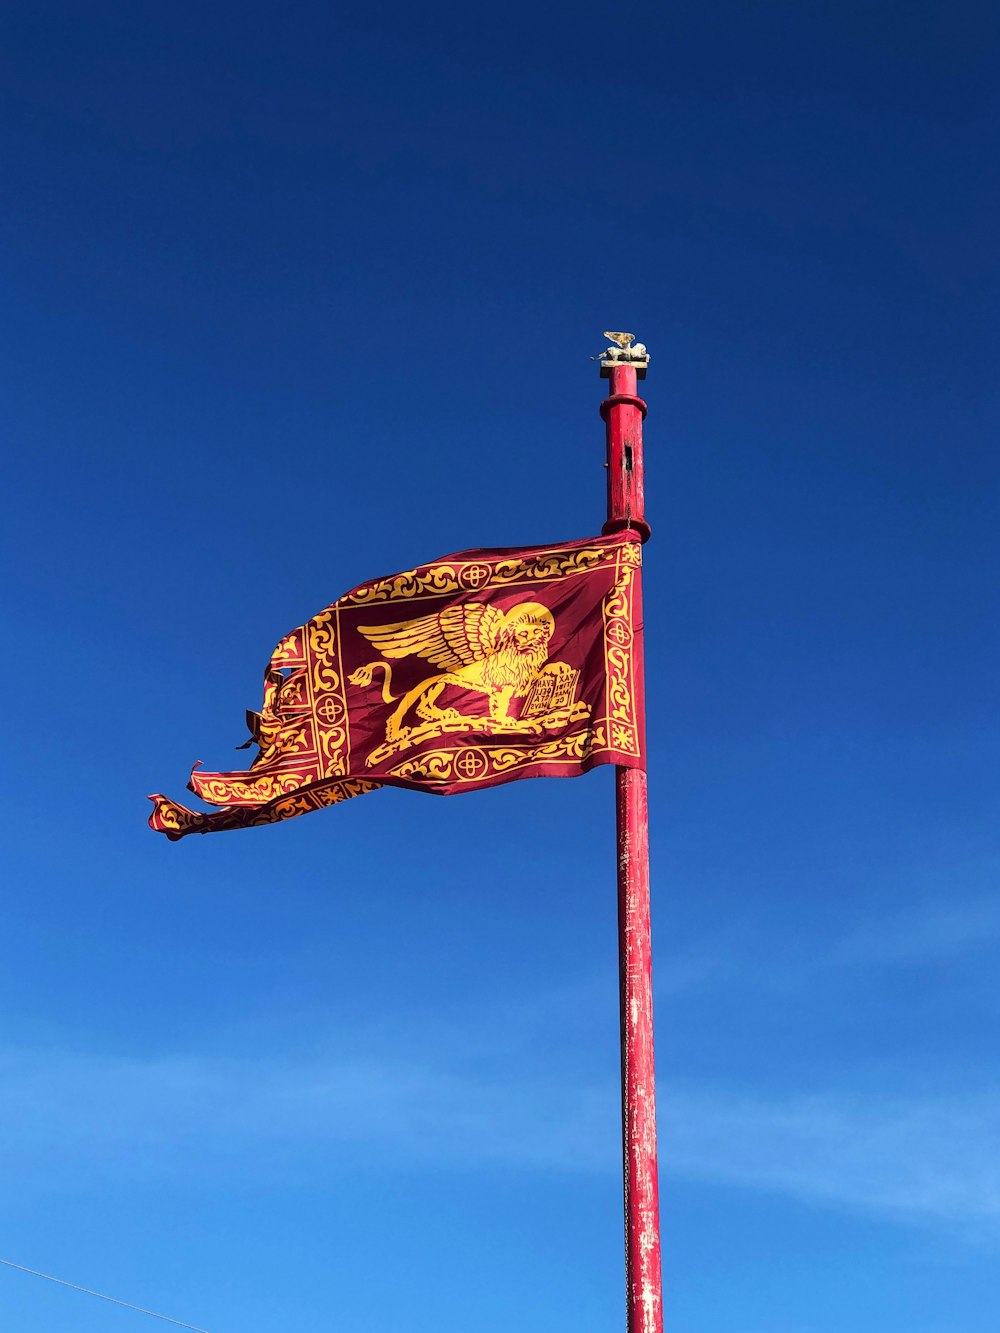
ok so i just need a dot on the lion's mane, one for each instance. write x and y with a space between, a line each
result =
507 666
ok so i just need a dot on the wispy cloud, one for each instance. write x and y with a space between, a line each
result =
177 1114
932 931
66 1118
914 1158
680 974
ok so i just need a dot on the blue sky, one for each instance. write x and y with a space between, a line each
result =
296 297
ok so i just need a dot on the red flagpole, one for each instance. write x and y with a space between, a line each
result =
623 412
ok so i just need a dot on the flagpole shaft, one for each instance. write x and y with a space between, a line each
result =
623 412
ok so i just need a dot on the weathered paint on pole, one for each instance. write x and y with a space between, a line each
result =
623 412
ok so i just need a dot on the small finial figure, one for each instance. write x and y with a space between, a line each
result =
624 349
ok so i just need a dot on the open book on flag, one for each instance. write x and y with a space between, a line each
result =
473 670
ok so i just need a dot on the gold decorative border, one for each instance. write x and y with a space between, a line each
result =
176 820
485 762
619 655
475 575
251 790
316 798
328 702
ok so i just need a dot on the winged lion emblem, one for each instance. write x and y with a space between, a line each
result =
475 646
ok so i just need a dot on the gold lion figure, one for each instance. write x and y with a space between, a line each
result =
475 646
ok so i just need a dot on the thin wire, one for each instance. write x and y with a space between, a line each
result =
114 1301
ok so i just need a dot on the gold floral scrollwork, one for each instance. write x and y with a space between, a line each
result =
474 764
433 767
329 702
618 636
315 798
473 575
250 790
413 583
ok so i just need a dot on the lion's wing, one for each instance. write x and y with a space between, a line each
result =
453 638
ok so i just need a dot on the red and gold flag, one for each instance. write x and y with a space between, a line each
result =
476 669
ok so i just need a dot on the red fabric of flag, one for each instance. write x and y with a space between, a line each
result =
473 670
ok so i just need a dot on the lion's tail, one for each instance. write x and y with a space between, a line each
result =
366 674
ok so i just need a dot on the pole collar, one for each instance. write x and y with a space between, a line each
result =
621 400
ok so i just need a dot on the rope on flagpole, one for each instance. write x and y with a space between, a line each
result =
113 1299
